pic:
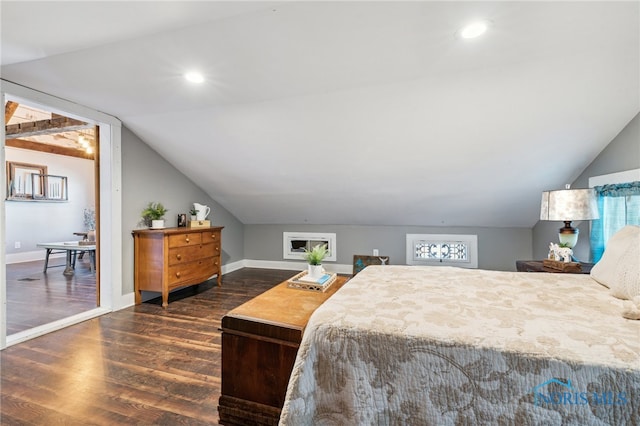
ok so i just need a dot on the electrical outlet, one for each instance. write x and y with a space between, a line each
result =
17 244
376 252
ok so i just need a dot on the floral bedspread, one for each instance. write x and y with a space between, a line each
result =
408 345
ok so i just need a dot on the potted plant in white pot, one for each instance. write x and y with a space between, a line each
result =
153 215
314 258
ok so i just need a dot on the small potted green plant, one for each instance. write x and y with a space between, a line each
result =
193 212
314 258
153 215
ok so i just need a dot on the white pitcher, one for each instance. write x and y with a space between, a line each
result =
203 211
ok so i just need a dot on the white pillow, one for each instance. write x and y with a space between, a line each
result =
619 268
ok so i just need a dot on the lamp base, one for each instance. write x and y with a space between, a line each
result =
568 235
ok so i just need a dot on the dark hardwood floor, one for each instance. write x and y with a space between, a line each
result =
143 365
35 298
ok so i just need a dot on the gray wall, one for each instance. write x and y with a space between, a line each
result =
498 248
149 177
146 176
621 154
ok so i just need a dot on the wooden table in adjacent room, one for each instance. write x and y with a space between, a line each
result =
71 248
260 340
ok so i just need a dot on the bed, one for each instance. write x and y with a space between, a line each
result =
440 345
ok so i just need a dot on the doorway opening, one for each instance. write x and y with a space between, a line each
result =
61 208
51 222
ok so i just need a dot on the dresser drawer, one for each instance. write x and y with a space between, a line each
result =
181 255
210 237
190 271
186 239
209 250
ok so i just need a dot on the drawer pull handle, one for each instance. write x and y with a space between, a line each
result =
179 256
217 248
187 240
213 236
177 274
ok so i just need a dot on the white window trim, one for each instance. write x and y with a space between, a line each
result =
632 175
470 240
611 178
287 237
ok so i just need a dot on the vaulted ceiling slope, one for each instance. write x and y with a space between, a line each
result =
348 112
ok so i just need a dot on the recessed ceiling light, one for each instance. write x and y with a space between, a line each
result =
194 77
474 29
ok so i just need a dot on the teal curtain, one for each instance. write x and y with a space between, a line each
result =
618 205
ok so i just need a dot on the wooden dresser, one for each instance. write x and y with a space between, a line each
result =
260 340
165 259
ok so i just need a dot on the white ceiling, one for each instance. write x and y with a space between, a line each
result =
348 112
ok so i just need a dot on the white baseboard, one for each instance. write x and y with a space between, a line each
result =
296 266
128 300
125 301
233 266
29 256
23 336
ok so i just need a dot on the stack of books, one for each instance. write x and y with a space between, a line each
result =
562 266
304 282
323 279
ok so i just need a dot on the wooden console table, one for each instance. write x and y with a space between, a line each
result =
260 340
166 259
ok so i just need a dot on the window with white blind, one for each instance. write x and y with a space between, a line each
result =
294 244
442 249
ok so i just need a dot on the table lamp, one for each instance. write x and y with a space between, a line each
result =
568 205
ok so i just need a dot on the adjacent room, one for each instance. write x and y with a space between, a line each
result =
298 213
50 217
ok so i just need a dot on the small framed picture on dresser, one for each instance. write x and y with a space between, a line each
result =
182 220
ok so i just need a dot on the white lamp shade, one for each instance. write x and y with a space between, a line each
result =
569 205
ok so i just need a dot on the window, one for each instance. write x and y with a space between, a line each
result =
295 244
618 205
440 249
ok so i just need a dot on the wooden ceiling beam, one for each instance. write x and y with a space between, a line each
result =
9 109
57 124
51 149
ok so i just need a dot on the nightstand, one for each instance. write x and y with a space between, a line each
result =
536 266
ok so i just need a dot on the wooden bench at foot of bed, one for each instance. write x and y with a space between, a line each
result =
260 340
